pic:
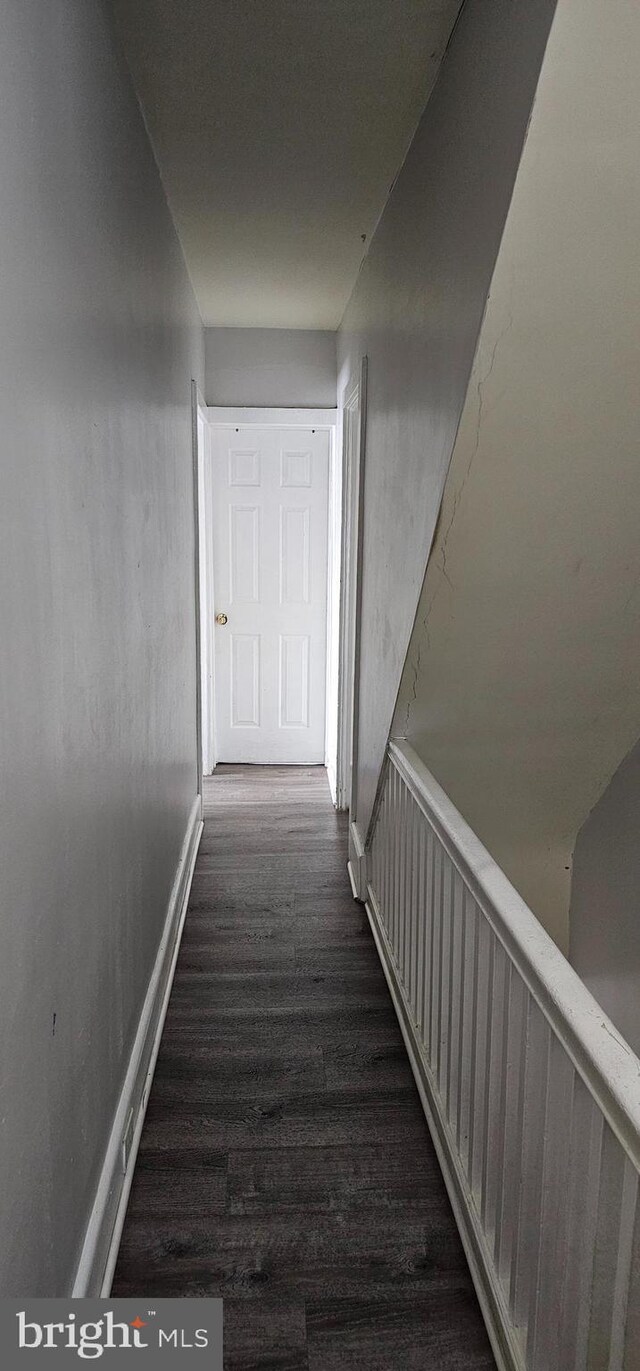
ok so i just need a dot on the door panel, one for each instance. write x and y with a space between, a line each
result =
294 555
294 680
244 555
245 680
270 497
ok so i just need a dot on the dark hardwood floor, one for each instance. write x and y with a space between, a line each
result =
285 1163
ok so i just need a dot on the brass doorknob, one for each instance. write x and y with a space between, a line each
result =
221 619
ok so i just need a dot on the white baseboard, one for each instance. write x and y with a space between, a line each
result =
333 782
502 1335
356 865
95 1269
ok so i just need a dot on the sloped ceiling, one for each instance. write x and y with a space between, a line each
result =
521 689
279 126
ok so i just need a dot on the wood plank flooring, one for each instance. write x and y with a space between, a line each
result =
285 1163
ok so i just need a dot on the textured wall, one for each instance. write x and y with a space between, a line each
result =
522 687
416 310
99 340
270 366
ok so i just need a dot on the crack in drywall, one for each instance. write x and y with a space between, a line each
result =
617 1039
442 551
632 593
482 382
621 1043
416 675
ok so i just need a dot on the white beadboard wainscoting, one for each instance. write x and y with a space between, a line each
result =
532 1097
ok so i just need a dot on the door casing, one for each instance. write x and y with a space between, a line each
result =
324 419
353 454
204 588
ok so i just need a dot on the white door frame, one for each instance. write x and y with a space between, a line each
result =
195 460
234 416
202 480
353 455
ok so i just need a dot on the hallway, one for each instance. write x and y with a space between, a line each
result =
285 1163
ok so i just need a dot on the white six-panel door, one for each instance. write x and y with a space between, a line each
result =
270 517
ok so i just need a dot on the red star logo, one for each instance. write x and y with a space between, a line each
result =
138 1322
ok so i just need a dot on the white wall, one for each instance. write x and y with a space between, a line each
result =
99 340
604 942
522 688
416 310
273 367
